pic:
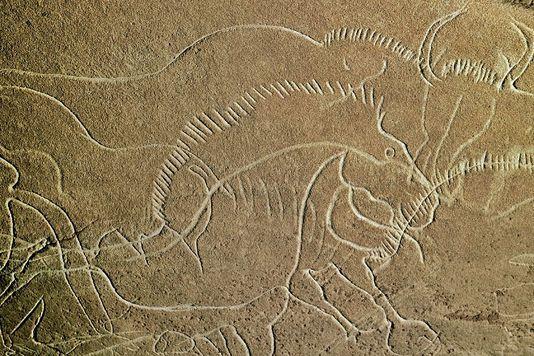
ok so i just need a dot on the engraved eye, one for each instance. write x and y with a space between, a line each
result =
389 152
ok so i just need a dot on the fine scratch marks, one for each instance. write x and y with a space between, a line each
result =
526 260
512 209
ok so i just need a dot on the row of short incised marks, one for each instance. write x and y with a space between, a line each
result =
365 34
480 73
426 203
208 123
476 70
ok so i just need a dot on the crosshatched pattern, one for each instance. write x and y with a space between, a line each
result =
327 179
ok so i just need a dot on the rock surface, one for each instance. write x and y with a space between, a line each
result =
236 178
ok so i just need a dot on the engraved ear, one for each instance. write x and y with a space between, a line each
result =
519 68
425 50
203 176
341 165
209 179
206 175
9 174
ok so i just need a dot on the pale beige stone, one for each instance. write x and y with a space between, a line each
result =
267 177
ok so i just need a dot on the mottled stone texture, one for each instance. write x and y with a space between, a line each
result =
525 3
266 177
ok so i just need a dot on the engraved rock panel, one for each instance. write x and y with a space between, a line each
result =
267 178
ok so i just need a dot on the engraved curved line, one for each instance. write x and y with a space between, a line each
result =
10 235
526 59
368 295
19 196
39 304
265 191
85 131
331 229
207 340
385 42
364 81
187 337
423 124
60 255
27 316
512 209
508 72
251 165
59 174
518 161
339 317
275 321
302 209
175 58
160 192
30 248
11 232
5 162
479 71
425 49
473 139
373 199
447 130
175 308
218 185
316 308
526 260
524 62
380 116
111 348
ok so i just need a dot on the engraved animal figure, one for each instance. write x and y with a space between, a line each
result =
328 235
247 325
95 164
344 91
428 61
390 235
398 225
70 212
320 214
